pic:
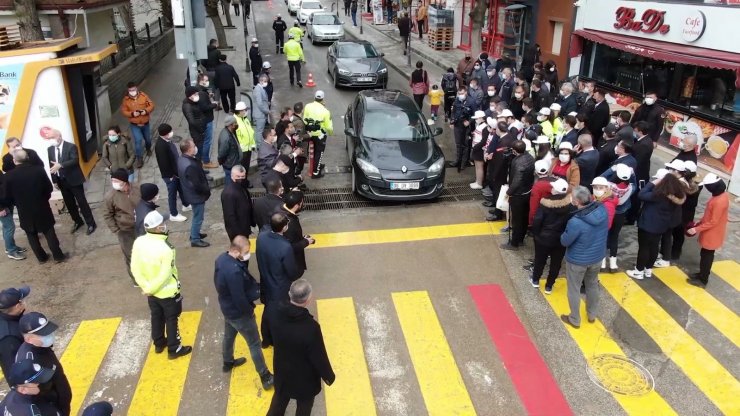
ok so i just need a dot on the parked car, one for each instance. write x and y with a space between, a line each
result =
307 8
392 150
293 6
356 64
324 27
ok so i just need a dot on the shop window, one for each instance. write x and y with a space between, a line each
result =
557 37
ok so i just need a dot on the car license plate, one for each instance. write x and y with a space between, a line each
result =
404 186
364 79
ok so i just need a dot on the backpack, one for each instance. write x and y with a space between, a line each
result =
449 84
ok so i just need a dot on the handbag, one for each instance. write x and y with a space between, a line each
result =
502 202
419 88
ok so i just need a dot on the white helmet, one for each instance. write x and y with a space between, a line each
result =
319 95
266 65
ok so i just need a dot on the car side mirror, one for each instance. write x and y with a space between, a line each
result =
437 131
382 54
349 131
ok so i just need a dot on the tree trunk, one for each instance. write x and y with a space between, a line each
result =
227 12
218 27
477 18
166 9
28 20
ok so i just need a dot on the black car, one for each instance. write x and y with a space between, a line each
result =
391 148
356 64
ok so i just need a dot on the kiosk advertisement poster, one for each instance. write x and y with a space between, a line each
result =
10 77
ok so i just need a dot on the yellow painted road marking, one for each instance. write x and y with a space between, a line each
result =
439 378
246 395
401 235
699 366
351 393
717 314
593 340
162 380
729 271
84 354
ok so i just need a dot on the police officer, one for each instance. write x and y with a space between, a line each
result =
279 27
318 125
255 60
462 110
153 267
11 310
26 379
38 334
297 33
294 53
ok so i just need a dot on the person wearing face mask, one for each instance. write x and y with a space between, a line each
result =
194 115
118 152
236 205
603 193
516 104
687 148
268 153
712 228
490 78
480 137
26 378
229 148
208 103
507 85
642 150
566 166
479 72
521 180
540 95
462 110
588 159
276 261
147 204
624 129
167 154
39 335
498 155
476 94
153 267
195 189
567 99
12 307
543 118
261 108
119 213
600 116
268 204
651 113
14 143
237 291
137 107
548 220
465 69
299 241
245 135
551 77
255 61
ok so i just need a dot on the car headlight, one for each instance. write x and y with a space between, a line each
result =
382 70
436 167
344 71
370 170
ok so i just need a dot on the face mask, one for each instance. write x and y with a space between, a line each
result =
461 97
564 158
492 73
477 67
541 118
491 93
195 98
599 193
196 151
113 138
133 93
526 109
246 257
506 76
616 151
650 101
117 185
562 93
518 95
552 69
156 198
291 118
474 86
206 84
256 45
47 340
263 84
492 108
614 121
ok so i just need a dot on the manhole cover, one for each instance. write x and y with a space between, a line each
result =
620 375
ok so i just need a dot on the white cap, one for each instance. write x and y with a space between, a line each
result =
266 65
153 220
710 179
600 180
491 122
319 95
660 174
565 145
506 113
573 113
559 187
676 164
254 40
479 114
241 105
290 36
555 106
545 111
541 140
517 125
623 171
541 167
690 166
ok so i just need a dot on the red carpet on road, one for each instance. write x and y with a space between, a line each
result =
538 390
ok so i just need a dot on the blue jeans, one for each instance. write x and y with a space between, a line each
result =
205 152
173 187
199 211
142 135
9 231
354 18
227 176
247 327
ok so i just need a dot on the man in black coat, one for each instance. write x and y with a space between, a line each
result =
195 189
236 204
11 310
607 148
147 203
293 205
521 180
404 30
276 260
499 157
267 205
687 148
642 150
167 155
224 80
587 159
64 164
255 61
540 95
194 115
624 128
300 360
651 113
25 398
14 143
29 189
600 116
279 26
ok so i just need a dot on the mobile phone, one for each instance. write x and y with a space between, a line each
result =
642 183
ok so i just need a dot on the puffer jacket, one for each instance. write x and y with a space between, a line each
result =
138 103
658 212
551 218
585 235
229 152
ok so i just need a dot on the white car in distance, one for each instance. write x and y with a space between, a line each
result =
307 8
293 6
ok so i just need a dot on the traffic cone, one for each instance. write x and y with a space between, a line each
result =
310 82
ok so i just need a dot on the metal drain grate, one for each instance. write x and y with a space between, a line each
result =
344 198
621 375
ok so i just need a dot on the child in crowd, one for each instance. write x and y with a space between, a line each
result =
435 100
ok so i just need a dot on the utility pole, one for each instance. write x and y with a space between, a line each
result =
189 42
408 59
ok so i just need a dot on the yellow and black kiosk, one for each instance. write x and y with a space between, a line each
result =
51 85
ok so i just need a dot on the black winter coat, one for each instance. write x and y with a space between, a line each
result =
236 204
10 340
659 213
276 262
205 104
255 60
195 117
29 189
33 159
521 175
264 207
551 219
295 236
598 119
498 167
654 115
142 208
167 155
193 182
642 150
225 77
300 361
58 389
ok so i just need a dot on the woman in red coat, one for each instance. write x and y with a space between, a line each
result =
712 228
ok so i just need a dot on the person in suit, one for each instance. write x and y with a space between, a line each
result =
255 60
29 189
651 113
293 205
570 134
300 360
266 205
66 174
236 204
276 261
608 147
567 99
642 150
14 143
600 116
588 159
167 154
195 189
624 128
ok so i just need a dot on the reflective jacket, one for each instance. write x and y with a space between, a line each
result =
297 33
316 112
293 50
245 134
153 266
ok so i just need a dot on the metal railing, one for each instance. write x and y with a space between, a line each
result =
128 45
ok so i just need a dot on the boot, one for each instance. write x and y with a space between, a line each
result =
139 162
603 265
613 265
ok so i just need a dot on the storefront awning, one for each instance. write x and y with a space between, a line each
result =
662 51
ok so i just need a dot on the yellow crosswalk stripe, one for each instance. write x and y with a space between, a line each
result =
699 365
593 340
717 314
246 395
729 271
351 393
84 354
162 380
439 378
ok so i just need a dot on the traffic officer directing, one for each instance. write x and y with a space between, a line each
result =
153 267
11 310
279 27
38 333
294 53
318 124
297 32
26 379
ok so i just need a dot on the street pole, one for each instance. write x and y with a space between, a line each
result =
408 59
189 44
362 7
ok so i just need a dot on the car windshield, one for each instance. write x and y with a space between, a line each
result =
356 50
310 5
325 19
394 125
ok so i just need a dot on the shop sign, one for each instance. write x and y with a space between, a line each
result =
651 21
693 26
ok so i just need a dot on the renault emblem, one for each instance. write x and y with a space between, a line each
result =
404 169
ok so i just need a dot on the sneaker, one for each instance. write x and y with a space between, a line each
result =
267 380
178 218
475 185
535 283
648 272
613 265
16 255
187 208
236 363
636 274
548 290
603 265
182 350
661 263
506 229
18 249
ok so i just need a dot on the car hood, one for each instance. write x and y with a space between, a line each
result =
360 65
393 154
309 12
321 29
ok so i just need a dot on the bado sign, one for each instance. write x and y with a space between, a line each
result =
654 21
